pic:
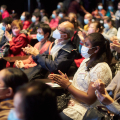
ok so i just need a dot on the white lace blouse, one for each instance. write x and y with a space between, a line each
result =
81 81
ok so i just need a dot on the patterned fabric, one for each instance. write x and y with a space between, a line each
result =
81 81
3 50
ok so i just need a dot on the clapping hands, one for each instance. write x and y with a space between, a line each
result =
31 50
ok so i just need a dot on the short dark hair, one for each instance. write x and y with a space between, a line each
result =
37 14
7 20
4 6
38 101
46 28
27 15
99 25
108 19
14 78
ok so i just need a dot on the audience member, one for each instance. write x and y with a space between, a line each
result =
73 19
76 7
87 21
95 66
60 6
44 17
54 21
17 40
111 102
43 34
4 11
60 54
109 31
110 10
99 13
34 101
25 17
35 23
10 80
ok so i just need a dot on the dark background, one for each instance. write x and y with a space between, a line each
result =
49 5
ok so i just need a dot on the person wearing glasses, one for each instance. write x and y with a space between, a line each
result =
60 53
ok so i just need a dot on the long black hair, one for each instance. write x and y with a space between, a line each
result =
38 101
104 54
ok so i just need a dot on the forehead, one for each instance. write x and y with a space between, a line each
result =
39 30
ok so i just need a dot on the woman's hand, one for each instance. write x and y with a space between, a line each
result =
99 85
8 36
113 38
60 80
115 46
31 50
51 76
104 98
101 92
19 64
82 36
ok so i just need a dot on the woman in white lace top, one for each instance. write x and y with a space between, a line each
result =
96 66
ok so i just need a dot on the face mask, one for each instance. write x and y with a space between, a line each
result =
3 28
53 16
110 8
100 7
106 25
22 18
119 7
12 115
16 32
1 10
56 34
86 21
39 37
58 6
84 52
61 15
33 19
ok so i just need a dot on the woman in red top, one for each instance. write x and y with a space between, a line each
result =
25 17
17 40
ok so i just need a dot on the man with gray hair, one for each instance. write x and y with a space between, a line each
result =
60 54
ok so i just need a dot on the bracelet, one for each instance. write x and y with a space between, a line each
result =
68 85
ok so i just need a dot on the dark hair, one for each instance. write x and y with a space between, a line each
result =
46 28
14 78
27 16
99 25
57 11
62 11
15 16
100 4
108 19
37 14
104 54
38 101
37 10
7 20
4 6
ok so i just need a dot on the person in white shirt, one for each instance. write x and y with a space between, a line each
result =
97 52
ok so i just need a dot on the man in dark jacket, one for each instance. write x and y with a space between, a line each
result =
60 54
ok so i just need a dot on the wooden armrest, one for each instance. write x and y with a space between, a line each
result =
13 59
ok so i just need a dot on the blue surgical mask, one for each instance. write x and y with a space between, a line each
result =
12 115
40 37
58 6
22 18
1 10
100 7
53 16
110 8
33 19
3 28
86 21
106 25
61 15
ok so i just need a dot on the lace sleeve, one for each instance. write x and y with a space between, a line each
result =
101 71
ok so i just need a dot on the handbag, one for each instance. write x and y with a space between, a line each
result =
62 101
99 113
